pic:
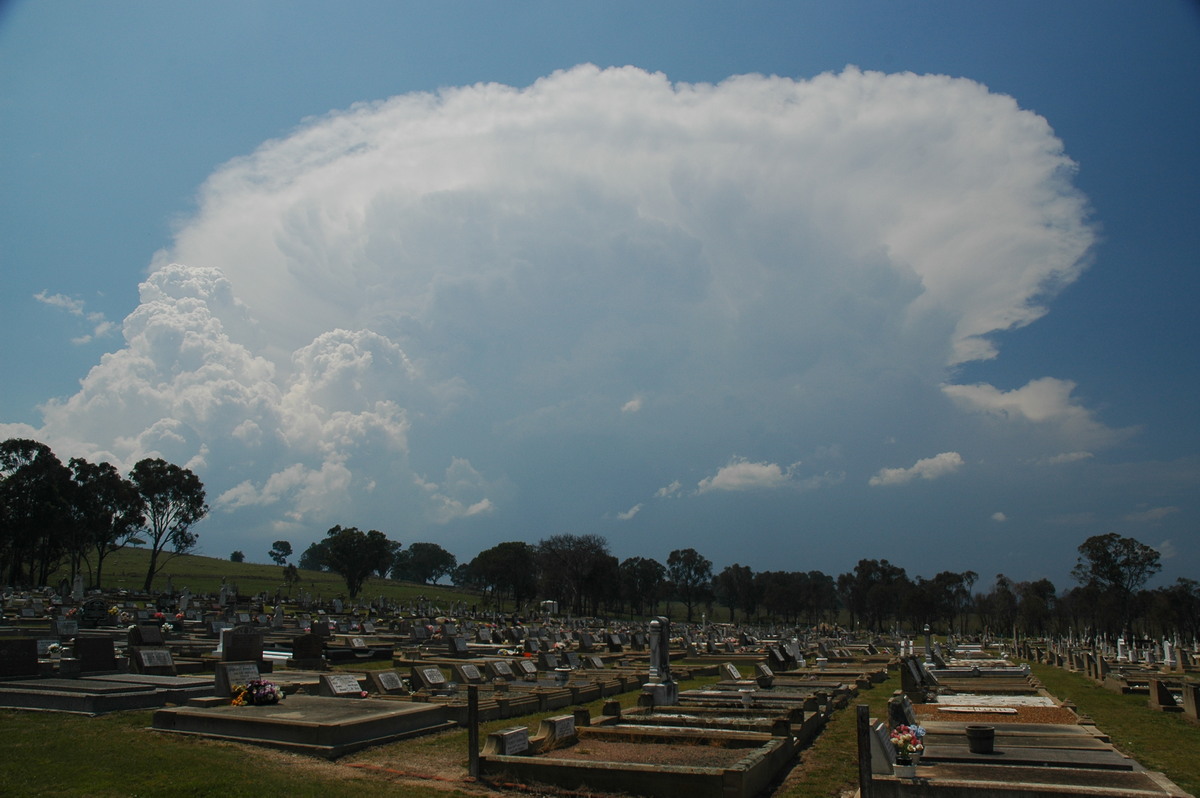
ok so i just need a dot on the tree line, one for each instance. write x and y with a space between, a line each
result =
75 514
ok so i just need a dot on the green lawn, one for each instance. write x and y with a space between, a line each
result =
1164 741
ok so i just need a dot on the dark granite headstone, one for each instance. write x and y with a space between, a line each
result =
468 674
154 661
229 674
500 669
340 685
243 643
386 683
95 654
146 634
527 669
428 678
18 656
458 647
64 628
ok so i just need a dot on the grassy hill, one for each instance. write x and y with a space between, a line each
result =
126 569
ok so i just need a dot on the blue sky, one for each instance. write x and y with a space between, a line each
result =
474 272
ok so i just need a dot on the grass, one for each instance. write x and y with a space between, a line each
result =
118 755
126 570
1163 741
829 767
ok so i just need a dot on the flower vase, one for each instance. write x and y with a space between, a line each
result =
906 771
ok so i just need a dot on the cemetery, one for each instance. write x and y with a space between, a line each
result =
329 680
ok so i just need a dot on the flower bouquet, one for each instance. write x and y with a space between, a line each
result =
907 740
257 692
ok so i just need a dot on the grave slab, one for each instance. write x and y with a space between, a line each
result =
325 727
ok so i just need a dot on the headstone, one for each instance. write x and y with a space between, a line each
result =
513 741
340 685
94 613
95 654
154 661
526 669
146 634
660 655
594 662
308 651
729 672
586 643
386 683
428 678
230 674
77 588
18 657
458 647
614 644
500 669
358 643
468 674
64 628
547 661
243 643
883 753
1161 698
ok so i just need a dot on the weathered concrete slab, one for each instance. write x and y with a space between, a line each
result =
326 727
1031 756
952 780
77 696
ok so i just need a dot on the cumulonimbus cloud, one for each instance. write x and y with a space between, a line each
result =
477 280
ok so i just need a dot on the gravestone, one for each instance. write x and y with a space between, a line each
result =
320 627
763 675
340 685
308 652
532 645
547 661
594 662
63 628
386 683
94 614
18 657
243 643
586 643
154 661
883 753
230 674
572 660
427 678
95 654
458 647
1161 698
358 644
527 670
500 669
368 628
729 672
513 741
468 674
614 644
146 634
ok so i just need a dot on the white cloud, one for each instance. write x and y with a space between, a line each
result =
741 474
100 327
669 490
1166 550
630 513
999 517
1069 457
1045 403
488 271
1151 515
930 468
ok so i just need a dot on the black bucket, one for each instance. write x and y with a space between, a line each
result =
981 739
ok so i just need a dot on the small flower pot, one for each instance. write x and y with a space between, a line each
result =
904 771
981 739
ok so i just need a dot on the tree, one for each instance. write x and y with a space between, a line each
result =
692 575
872 592
290 576
237 556
573 569
356 555
280 551
36 519
423 562
734 586
1116 567
313 558
173 502
506 569
642 581
108 511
